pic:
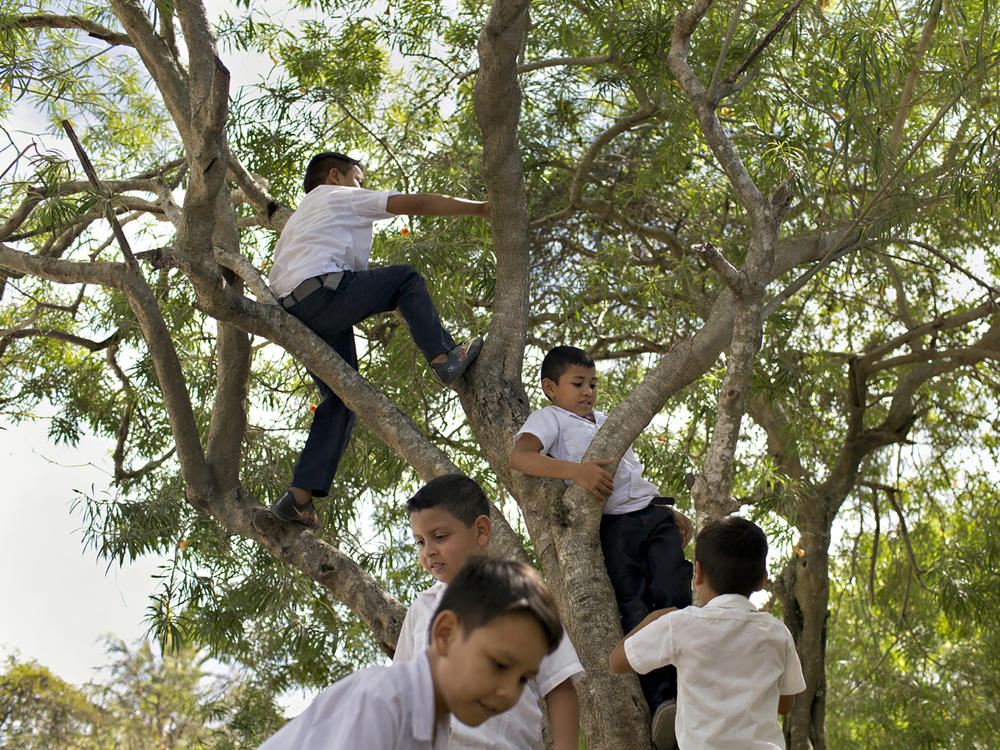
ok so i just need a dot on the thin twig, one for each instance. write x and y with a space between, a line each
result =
109 211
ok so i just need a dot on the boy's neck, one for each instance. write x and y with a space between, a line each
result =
706 593
440 708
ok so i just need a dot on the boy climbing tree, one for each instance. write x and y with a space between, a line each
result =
321 276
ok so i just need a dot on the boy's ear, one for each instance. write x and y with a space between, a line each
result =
445 630
547 385
484 527
699 574
762 584
334 176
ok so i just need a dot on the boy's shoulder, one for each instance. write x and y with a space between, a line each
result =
718 617
375 707
412 639
563 418
430 596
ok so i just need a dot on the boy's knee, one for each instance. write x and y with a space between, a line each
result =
408 271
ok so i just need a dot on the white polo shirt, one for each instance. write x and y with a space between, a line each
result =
566 436
330 231
733 662
389 708
520 728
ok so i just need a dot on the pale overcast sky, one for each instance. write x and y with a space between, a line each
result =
58 600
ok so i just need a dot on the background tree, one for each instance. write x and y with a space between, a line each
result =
143 700
669 182
41 711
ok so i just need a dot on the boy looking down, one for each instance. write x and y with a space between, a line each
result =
737 667
320 275
642 538
487 638
450 519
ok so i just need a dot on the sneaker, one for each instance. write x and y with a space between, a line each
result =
287 509
662 726
458 361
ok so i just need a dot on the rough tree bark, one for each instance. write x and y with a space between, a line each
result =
803 585
562 523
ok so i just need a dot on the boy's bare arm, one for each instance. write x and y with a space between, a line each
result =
527 456
619 662
684 526
433 204
564 716
785 704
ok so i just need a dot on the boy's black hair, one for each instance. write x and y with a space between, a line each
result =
733 555
455 493
321 164
561 358
487 588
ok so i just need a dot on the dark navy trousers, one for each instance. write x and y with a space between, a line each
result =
648 571
332 314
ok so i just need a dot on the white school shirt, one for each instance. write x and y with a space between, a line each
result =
733 662
330 231
520 728
566 436
388 708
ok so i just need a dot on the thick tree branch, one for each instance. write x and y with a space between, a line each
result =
763 44
51 21
159 59
870 359
170 376
724 49
906 98
704 109
228 423
731 276
621 125
322 562
11 334
498 110
121 473
273 212
62 271
565 62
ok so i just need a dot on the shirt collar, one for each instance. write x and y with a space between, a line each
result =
422 690
434 591
599 416
732 601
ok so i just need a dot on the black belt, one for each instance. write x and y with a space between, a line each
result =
307 287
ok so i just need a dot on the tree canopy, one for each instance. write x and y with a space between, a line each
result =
144 699
779 211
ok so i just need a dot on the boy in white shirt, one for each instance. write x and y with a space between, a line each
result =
450 519
737 667
642 538
488 636
320 275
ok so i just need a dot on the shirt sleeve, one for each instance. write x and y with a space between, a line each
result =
406 643
653 646
543 425
561 665
369 204
341 719
792 682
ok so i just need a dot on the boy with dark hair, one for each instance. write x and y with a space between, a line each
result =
642 538
321 276
450 519
496 613
737 667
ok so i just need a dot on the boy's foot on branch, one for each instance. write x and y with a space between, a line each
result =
449 367
288 508
662 726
